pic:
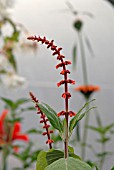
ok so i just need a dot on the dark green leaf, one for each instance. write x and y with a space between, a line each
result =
93 165
52 116
7 101
112 168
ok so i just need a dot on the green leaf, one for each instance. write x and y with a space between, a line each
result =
104 154
21 101
68 164
112 168
74 56
103 140
79 116
46 158
34 131
41 161
102 130
7 101
97 129
93 165
52 116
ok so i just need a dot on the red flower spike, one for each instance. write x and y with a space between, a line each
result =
63 72
59 65
33 98
66 95
49 141
46 126
38 112
43 40
46 133
53 47
62 113
43 117
46 42
46 120
71 81
71 113
57 51
60 83
62 64
51 131
50 44
41 121
59 57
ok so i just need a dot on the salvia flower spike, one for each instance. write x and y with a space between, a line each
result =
57 51
66 95
43 120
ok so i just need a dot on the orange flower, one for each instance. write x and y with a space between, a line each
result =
87 90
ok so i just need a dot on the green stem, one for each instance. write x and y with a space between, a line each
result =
4 158
103 156
11 23
82 51
85 135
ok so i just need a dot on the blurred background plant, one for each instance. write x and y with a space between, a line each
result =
11 121
87 90
11 41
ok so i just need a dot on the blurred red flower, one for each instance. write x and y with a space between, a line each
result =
9 132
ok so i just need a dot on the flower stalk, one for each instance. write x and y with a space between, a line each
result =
66 95
44 121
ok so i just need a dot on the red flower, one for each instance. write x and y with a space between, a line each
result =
2 118
17 135
13 133
66 95
62 113
49 141
71 113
